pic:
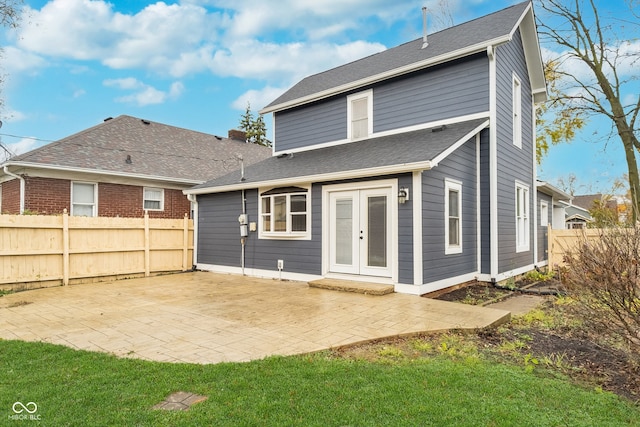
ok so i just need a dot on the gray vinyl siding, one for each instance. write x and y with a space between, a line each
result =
312 124
485 204
459 88
513 163
219 236
405 233
543 230
459 166
455 89
218 229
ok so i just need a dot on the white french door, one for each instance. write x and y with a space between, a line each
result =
360 232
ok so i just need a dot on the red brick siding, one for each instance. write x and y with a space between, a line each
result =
51 196
10 197
47 196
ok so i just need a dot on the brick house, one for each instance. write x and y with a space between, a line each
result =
121 167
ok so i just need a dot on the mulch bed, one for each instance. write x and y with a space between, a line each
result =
576 351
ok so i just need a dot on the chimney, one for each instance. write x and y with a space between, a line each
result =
238 135
424 27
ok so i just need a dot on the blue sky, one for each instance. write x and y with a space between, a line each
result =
196 63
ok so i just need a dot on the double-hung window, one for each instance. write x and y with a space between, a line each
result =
359 115
453 216
517 112
153 199
84 199
285 213
522 217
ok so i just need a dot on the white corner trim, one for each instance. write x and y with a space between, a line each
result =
416 185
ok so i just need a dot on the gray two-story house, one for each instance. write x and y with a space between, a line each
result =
414 167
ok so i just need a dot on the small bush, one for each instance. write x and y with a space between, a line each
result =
603 278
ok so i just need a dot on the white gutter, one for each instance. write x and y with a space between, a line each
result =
104 172
350 174
21 179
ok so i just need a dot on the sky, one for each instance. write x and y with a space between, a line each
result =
197 64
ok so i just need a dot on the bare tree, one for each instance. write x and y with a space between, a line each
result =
598 46
10 13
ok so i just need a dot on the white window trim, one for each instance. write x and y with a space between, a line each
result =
144 198
544 219
368 94
95 197
516 110
522 242
285 235
450 184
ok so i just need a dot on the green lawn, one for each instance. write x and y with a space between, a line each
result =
80 388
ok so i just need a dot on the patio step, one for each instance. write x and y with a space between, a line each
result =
366 288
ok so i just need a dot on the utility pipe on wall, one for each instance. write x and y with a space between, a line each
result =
21 179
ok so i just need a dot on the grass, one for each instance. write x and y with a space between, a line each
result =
78 388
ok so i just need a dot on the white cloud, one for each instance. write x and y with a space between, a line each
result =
16 61
144 94
23 145
257 98
285 63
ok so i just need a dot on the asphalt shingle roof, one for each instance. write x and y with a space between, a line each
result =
386 151
155 149
476 32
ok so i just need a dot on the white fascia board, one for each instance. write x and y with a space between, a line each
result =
69 169
460 53
531 46
460 142
335 176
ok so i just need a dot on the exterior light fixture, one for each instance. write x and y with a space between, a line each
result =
403 195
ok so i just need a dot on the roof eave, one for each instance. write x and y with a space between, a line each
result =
460 53
103 172
349 174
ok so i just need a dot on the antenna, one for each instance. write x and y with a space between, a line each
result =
424 27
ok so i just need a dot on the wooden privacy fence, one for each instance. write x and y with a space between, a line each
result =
562 241
39 251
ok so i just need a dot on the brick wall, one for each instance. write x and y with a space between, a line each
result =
50 196
47 196
10 197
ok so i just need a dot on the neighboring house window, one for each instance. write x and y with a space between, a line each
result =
517 112
84 199
453 216
522 217
153 199
544 214
284 212
360 115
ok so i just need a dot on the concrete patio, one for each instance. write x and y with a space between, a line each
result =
202 317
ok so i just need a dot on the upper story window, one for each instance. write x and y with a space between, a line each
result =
153 199
522 217
285 213
360 115
453 216
517 112
84 199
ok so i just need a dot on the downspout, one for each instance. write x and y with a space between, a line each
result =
194 199
22 185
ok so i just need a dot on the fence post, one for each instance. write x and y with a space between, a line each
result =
185 243
549 247
65 248
147 244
